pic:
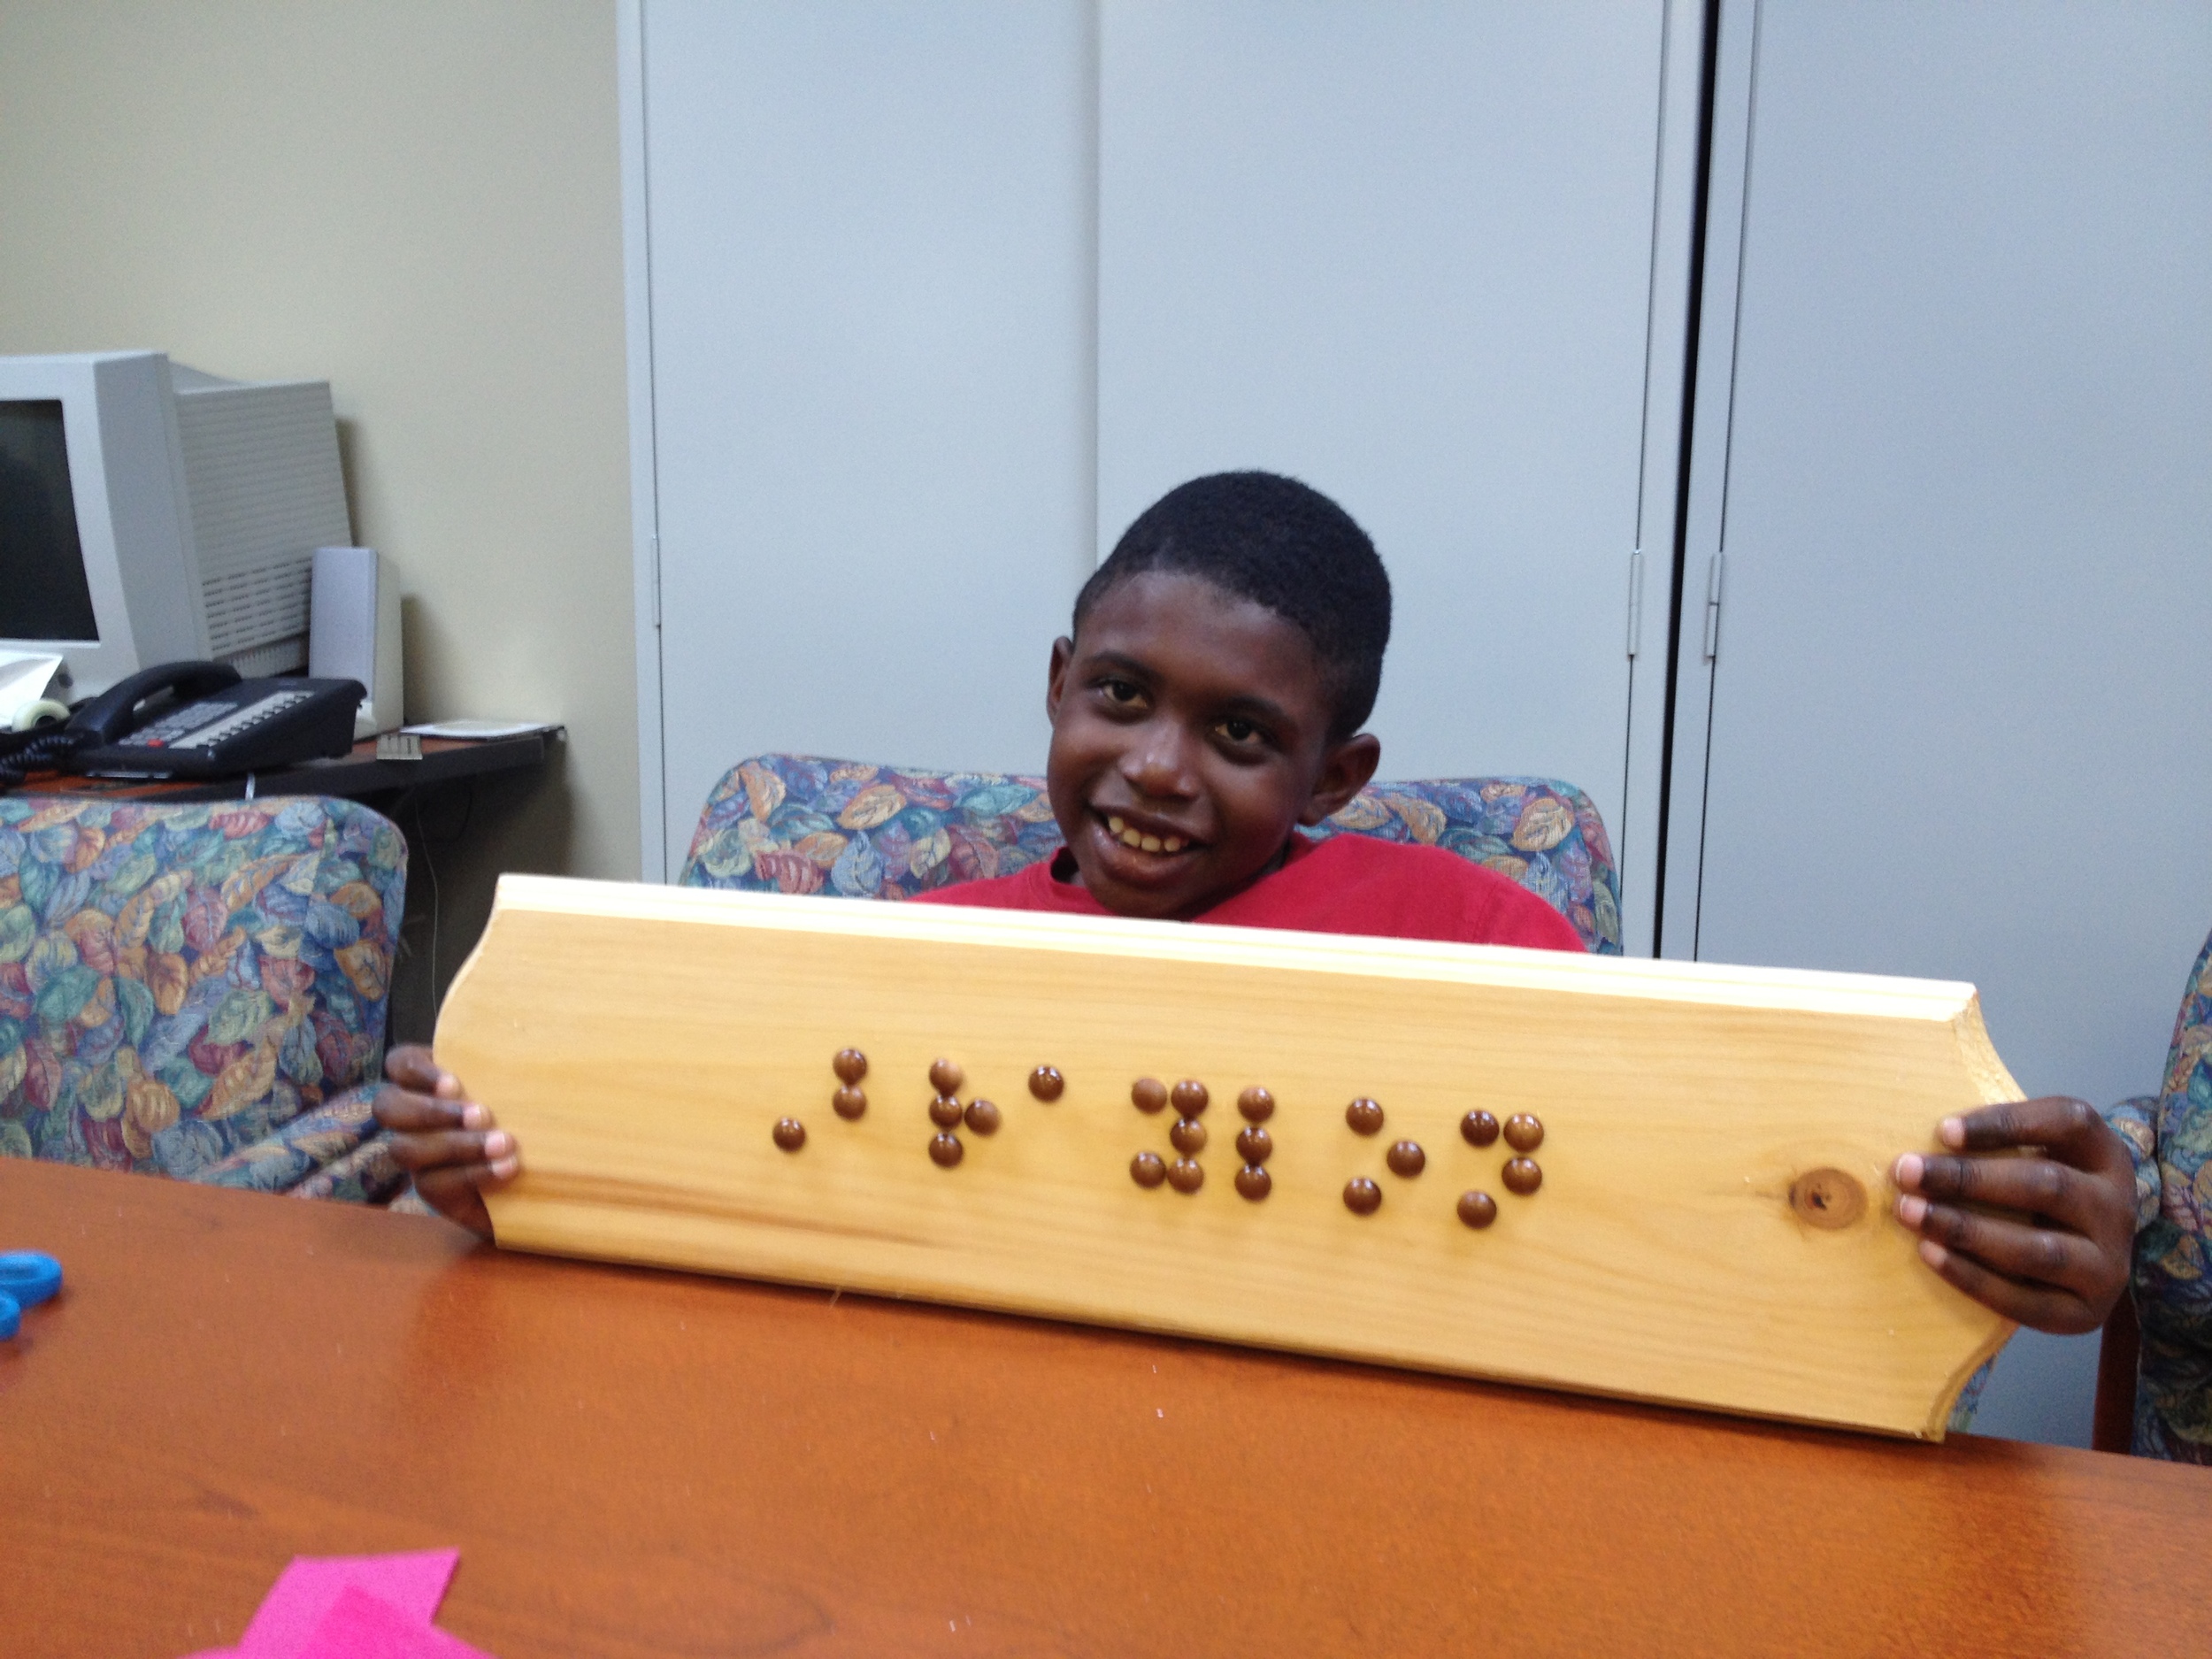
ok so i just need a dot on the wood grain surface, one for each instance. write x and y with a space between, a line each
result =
639 1464
643 1043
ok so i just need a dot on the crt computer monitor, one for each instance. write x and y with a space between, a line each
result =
150 514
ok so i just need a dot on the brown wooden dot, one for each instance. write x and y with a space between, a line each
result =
850 1065
1190 1097
1148 1095
1362 1196
1364 1116
982 1117
848 1102
945 1110
1046 1083
789 1133
945 1150
1257 1105
946 1077
1828 1199
1184 1176
1254 1183
1256 1144
1147 1169
1522 1176
1523 1132
1479 1128
1407 1158
1478 1210
1188 1135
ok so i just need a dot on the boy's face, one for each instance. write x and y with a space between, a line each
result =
1190 732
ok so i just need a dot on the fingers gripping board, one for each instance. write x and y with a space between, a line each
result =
1679 1193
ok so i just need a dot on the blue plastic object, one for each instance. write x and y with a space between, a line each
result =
11 1317
28 1278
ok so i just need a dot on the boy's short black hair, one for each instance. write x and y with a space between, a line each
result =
1280 544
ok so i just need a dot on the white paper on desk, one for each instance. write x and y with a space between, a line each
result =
478 731
26 677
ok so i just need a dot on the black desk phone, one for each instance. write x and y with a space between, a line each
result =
202 720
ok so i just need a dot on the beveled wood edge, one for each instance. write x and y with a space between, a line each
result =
1507 967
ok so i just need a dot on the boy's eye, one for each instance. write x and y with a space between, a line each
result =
1240 731
1121 691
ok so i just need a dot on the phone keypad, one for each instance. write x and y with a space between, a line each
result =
201 732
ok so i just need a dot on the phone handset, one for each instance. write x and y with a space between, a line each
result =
114 714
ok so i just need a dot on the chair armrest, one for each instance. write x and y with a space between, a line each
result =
335 1151
2135 1121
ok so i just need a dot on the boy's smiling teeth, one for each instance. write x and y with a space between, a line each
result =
1130 837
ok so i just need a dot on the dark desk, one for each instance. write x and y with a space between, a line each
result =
358 777
640 1464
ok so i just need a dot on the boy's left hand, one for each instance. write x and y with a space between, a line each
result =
2062 1270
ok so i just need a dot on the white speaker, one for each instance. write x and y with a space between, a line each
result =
353 631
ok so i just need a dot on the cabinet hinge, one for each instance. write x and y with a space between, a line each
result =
1635 604
1712 606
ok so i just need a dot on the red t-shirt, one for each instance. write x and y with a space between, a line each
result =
1349 884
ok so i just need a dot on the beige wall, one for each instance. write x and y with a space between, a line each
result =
421 203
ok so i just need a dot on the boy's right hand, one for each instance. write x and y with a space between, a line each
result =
450 1145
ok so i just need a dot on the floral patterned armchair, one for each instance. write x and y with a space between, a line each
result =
794 823
2169 1135
198 991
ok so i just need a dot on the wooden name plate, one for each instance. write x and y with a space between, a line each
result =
1680 1191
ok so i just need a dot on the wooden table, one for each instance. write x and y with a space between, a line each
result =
636 1462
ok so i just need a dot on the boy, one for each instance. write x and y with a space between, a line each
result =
1207 703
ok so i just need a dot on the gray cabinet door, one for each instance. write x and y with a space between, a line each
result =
1953 446
869 236
1431 259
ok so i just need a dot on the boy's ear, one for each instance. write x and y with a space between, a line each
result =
1346 768
1056 676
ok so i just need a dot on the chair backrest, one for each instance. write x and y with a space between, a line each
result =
796 824
2173 1251
176 981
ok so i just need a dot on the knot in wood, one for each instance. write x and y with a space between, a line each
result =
1827 1198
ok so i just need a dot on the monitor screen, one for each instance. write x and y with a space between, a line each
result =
43 594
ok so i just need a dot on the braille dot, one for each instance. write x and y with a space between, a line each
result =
1188 1135
1046 1083
1257 1105
1407 1158
1522 1176
1256 1144
1190 1097
982 1117
944 1111
848 1102
850 1065
1364 1116
1254 1183
1147 1169
1479 1128
1523 1132
790 1134
946 1077
945 1150
1184 1176
1478 1210
1362 1196
1149 1093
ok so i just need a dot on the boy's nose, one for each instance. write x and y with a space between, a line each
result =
1158 764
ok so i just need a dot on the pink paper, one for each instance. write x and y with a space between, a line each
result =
359 1625
412 1585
